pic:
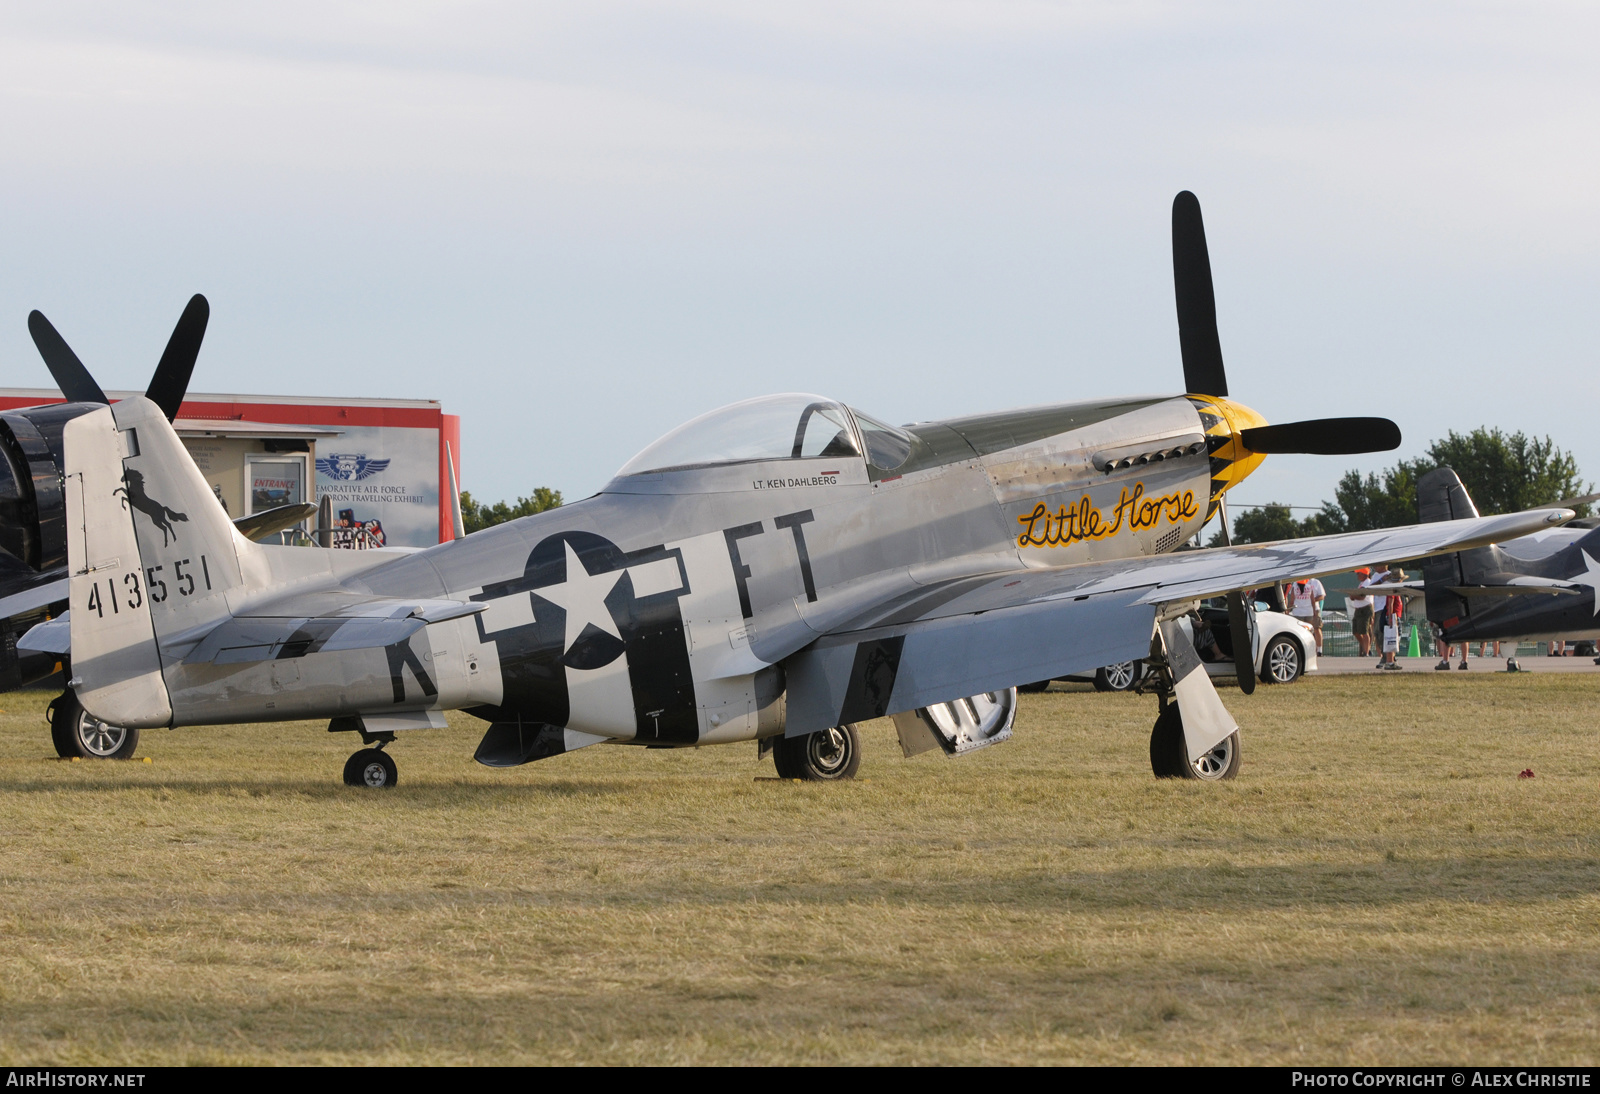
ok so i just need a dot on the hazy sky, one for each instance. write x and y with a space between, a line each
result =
579 224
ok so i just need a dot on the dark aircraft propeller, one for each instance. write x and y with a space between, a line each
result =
167 386
1203 373
73 379
171 379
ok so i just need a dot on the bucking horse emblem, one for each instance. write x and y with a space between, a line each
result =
132 491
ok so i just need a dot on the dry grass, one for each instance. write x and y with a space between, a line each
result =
1377 886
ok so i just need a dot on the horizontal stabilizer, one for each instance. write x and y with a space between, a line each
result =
374 624
258 526
51 636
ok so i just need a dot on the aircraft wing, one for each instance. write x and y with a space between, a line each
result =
983 633
1520 588
32 593
1410 590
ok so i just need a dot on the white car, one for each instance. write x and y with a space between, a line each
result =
1285 650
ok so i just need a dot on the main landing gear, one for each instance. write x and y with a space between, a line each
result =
77 734
825 756
371 767
1169 755
1169 751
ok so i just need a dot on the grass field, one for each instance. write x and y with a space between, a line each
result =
1378 886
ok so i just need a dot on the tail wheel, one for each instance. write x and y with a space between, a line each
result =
1283 662
1169 754
826 756
78 734
1119 677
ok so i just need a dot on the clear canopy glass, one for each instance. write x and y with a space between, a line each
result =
887 447
772 427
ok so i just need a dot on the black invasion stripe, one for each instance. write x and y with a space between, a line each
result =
872 679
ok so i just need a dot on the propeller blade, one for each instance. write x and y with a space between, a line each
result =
73 379
1324 437
1197 304
171 380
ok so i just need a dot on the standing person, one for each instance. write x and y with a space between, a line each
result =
1305 603
1393 609
1444 653
1380 574
1360 609
1394 613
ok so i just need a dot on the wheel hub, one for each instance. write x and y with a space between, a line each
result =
829 749
99 737
1215 763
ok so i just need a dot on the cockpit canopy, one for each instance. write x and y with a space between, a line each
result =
793 426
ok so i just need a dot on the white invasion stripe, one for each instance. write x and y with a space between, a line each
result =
572 739
601 700
507 612
660 576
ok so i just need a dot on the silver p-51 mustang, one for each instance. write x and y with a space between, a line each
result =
776 571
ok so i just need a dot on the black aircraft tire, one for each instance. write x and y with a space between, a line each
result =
826 756
1167 756
371 768
78 734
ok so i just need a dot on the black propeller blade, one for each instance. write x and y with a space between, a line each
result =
1324 437
73 379
171 380
1197 303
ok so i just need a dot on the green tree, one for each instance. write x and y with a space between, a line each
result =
1504 473
476 516
1273 522
1509 473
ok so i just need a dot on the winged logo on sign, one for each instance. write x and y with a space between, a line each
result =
350 466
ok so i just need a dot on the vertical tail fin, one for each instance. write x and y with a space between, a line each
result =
151 555
1440 496
116 668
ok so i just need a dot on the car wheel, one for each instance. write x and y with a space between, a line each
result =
1283 661
1119 677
